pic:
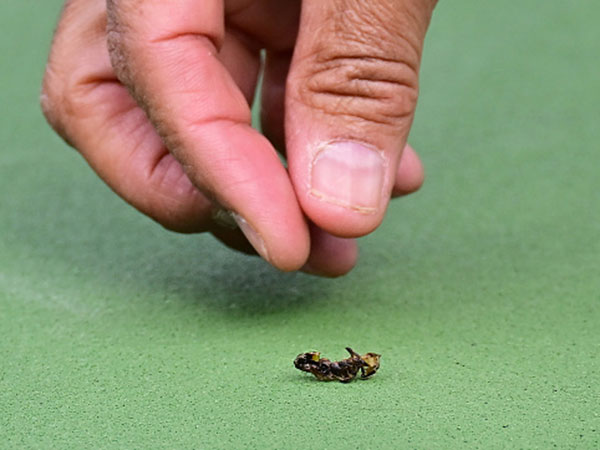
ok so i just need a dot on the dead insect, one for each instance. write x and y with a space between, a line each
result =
343 371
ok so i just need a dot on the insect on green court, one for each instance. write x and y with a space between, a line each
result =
343 371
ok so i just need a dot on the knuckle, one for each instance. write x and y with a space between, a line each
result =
65 102
67 77
365 67
375 89
51 101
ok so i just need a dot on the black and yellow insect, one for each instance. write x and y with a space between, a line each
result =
344 371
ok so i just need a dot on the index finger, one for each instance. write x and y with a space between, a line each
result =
167 54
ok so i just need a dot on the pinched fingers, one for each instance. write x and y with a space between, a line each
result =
195 83
86 103
168 57
350 101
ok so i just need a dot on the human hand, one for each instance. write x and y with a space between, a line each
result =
162 114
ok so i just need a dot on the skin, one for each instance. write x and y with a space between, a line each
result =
155 96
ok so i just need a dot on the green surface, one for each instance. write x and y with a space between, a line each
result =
482 292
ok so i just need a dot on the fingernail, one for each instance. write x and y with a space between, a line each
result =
349 174
224 218
253 237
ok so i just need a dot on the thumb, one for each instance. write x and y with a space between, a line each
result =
350 101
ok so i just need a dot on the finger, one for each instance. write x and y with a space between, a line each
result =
330 256
351 96
167 57
85 103
410 174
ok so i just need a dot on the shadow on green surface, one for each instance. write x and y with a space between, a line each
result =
113 251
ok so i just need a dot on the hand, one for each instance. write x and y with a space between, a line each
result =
155 95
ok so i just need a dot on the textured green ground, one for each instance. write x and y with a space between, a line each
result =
482 291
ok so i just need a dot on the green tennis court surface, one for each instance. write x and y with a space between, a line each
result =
482 291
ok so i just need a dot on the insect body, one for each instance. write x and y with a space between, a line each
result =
344 371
